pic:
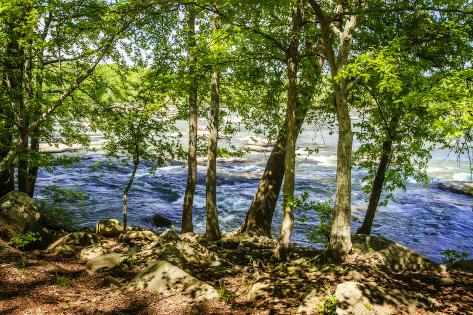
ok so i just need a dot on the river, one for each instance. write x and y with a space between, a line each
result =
424 218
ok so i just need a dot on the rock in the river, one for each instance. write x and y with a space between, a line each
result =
459 187
161 221
164 277
109 227
388 255
18 215
72 243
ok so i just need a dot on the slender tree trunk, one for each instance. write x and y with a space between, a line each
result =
187 225
23 168
33 170
212 231
290 159
136 163
260 214
377 188
340 236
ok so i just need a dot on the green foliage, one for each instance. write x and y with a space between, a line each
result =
62 206
22 262
319 234
225 295
452 256
61 280
24 240
328 307
128 263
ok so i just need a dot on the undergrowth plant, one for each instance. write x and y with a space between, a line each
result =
319 234
24 240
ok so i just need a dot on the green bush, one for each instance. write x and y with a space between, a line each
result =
61 280
328 307
55 210
24 240
226 295
319 234
452 256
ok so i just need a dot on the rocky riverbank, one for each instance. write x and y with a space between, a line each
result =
143 272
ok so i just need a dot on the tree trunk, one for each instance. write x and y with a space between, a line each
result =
290 158
23 169
136 163
340 236
212 231
259 217
377 188
187 225
33 170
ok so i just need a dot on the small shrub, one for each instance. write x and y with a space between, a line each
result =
225 295
24 240
55 210
328 307
22 263
128 263
61 280
452 256
319 234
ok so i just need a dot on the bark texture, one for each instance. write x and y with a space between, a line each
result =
136 163
212 231
187 225
377 188
290 157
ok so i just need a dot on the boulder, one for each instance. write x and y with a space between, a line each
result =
91 252
106 261
72 243
387 255
465 188
18 215
164 277
161 221
352 300
7 252
464 265
138 238
109 227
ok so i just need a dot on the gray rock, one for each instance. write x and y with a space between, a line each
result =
91 252
109 227
161 221
106 261
352 300
458 187
72 243
388 255
164 277
139 238
18 215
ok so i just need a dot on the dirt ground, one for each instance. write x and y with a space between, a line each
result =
38 284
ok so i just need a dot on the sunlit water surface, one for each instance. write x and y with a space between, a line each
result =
426 219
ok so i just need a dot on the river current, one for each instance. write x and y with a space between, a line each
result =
424 218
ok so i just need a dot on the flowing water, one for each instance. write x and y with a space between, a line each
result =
424 218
